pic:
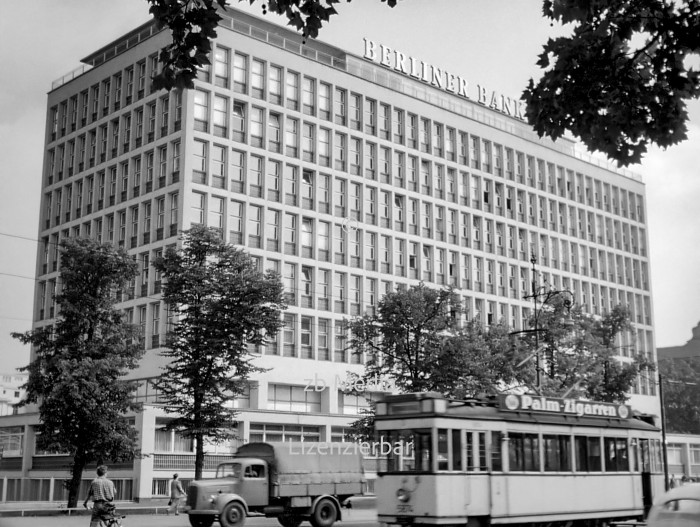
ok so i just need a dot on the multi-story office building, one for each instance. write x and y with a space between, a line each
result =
350 176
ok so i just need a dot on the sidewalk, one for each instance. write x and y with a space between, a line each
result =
49 513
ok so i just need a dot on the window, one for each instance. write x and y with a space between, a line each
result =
198 208
273 180
324 101
201 111
324 147
274 133
371 116
221 67
240 73
308 142
355 112
308 96
216 212
257 79
340 106
218 166
238 124
557 450
276 84
340 151
291 137
523 452
257 116
287 398
199 162
292 90
588 454
220 117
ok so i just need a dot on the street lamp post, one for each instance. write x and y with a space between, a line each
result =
548 294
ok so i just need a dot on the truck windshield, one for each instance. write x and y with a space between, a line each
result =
229 470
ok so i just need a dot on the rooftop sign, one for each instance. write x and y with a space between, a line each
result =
442 79
550 405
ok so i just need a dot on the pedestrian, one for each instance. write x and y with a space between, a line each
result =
102 493
176 492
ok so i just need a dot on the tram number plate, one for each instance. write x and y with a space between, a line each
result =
404 520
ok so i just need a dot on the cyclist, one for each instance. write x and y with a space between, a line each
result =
102 493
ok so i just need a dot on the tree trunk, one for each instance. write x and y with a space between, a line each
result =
199 455
74 483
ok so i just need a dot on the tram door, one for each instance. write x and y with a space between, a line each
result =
645 458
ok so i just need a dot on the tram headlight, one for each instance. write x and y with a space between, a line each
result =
403 495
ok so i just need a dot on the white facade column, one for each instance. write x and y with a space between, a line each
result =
143 467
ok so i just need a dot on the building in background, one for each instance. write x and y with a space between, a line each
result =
350 176
11 391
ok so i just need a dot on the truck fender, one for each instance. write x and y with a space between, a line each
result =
223 499
333 499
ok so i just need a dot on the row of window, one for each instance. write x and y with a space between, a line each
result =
102 98
112 139
283 182
465 450
132 178
333 103
143 223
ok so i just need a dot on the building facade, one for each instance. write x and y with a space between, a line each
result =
350 176
11 391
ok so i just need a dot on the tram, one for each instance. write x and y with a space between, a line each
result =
513 460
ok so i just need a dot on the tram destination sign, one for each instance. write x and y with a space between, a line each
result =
550 405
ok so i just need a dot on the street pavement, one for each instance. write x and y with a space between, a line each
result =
351 518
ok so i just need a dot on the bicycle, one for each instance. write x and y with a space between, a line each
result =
110 518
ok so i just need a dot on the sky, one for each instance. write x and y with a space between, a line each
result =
490 42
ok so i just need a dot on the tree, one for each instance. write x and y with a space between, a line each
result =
223 304
77 375
579 352
403 341
414 344
621 80
681 394
193 25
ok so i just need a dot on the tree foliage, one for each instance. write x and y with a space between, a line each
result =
223 304
621 80
681 387
579 352
76 376
193 25
415 343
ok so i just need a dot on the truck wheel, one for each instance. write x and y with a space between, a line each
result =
201 520
324 514
233 515
289 521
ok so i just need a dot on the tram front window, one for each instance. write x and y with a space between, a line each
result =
410 450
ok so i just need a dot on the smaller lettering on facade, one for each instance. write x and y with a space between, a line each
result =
531 403
442 79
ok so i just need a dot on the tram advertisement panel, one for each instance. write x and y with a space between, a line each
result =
551 405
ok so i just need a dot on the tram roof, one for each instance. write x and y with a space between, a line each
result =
488 409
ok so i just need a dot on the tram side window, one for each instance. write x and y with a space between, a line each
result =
496 461
634 455
588 455
443 453
476 451
616 457
557 450
456 450
411 451
524 452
